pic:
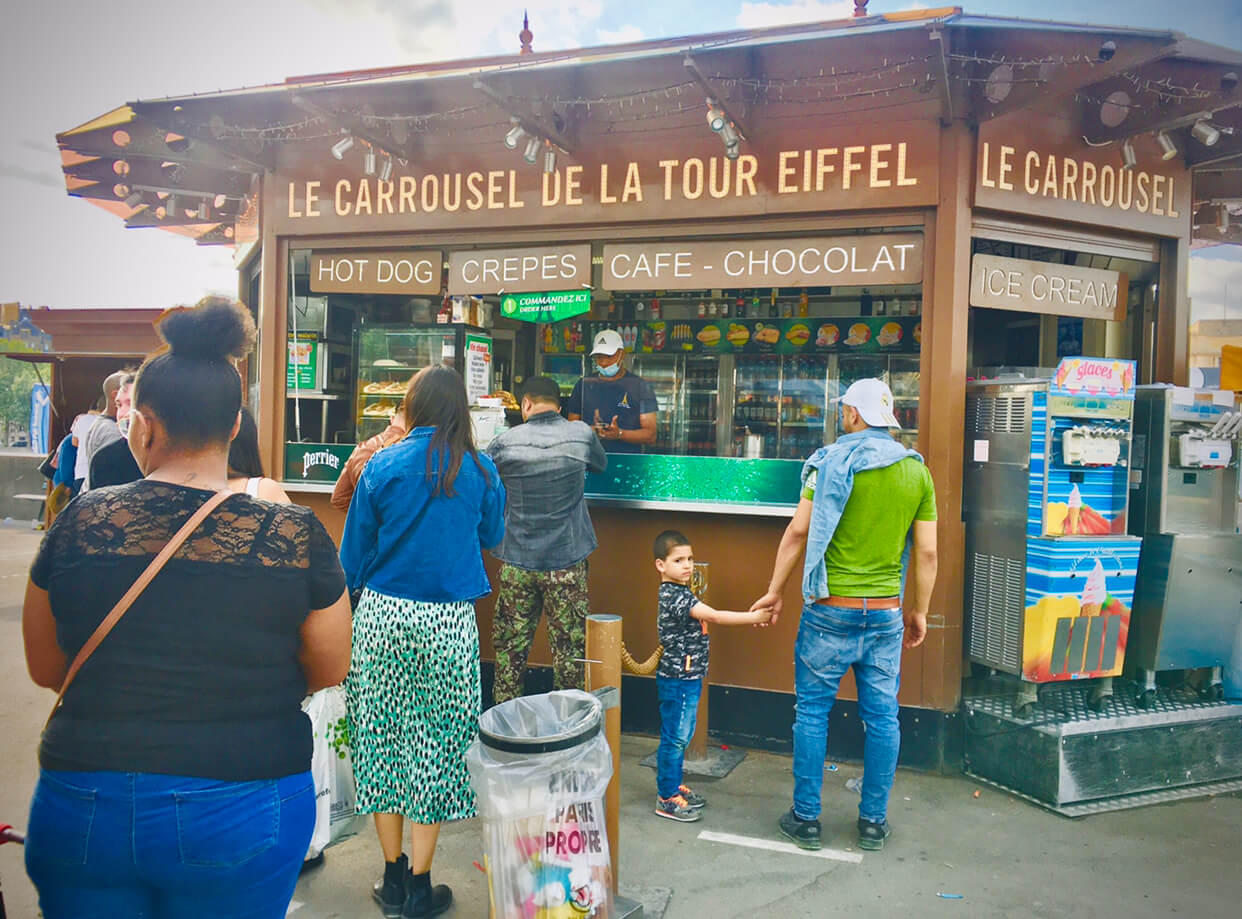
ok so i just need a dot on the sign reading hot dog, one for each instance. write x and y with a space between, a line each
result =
811 262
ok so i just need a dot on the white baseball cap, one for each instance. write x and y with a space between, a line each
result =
874 402
607 343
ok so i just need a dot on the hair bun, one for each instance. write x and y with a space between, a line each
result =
215 329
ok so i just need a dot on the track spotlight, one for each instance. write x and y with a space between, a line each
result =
343 146
134 199
1168 149
202 209
531 153
170 206
728 134
368 162
1107 50
514 137
1128 156
715 117
732 150
549 160
1204 133
385 170
1222 220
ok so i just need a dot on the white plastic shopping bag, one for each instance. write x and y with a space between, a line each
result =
332 770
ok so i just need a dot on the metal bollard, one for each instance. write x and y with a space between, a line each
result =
603 669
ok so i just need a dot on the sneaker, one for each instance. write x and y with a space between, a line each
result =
390 891
693 798
430 901
676 808
871 836
803 833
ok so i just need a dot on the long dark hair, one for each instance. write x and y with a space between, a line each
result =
436 398
244 456
193 387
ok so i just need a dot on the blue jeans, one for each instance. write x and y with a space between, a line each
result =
107 845
679 704
831 639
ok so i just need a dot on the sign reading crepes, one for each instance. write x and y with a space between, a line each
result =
494 271
358 272
1045 287
812 262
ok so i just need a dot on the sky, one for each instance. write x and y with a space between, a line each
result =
62 64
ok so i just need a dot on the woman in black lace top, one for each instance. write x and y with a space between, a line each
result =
174 779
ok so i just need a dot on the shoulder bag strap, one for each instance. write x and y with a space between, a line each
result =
131 595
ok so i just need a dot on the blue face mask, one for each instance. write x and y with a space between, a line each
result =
611 371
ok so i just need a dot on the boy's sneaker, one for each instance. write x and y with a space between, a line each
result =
803 833
693 798
676 808
871 836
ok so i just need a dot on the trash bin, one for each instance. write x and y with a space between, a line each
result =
540 766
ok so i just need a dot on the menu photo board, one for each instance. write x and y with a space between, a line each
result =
801 335
302 368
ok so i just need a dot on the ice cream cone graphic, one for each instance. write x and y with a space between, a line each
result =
1075 509
1096 591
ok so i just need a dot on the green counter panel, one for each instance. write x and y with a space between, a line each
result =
709 479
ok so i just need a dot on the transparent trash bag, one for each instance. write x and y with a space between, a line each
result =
540 766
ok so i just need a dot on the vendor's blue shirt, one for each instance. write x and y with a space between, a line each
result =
403 541
626 398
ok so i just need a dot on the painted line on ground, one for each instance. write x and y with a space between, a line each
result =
772 845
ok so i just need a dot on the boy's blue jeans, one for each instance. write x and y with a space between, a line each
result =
831 639
105 845
679 704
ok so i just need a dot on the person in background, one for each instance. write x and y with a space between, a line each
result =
175 780
422 511
548 536
77 439
868 507
105 429
114 463
343 491
619 405
246 466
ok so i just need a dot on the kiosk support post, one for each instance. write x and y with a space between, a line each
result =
603 669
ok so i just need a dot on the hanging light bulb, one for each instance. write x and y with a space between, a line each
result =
549 160
1168 149
385 171
715 117
343 146
515 135
368 162
531 153
1128 156
1205 133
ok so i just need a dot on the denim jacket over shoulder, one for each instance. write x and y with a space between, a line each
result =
543 464
835 467
403 540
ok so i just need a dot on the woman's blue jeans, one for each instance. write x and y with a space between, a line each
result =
106 845
679 704
831 639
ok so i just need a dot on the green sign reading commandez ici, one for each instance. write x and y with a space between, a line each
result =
546 307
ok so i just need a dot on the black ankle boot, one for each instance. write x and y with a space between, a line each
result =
391 890
423 900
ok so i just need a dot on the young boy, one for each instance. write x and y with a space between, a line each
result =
682 625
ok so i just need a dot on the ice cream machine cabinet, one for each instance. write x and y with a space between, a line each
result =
1050 568
1184 488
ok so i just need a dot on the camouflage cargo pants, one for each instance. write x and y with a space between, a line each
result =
524 596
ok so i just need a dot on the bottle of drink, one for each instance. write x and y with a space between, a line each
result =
804 304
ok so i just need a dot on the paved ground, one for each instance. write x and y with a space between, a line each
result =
1004 857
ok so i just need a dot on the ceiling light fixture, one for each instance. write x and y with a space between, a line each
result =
1168 149
385 171
728 134
202 209
716 119
134 199
1128 157
549 160
343 146
531 153
515 135
1222 220
1204 133
732 151
368 162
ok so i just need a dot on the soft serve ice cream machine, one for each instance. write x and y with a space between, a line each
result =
1050 566
1184 495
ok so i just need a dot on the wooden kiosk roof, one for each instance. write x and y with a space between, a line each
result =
189 164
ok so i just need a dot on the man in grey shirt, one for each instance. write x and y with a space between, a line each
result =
548 536
105 430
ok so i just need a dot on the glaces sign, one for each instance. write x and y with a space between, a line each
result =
1089 376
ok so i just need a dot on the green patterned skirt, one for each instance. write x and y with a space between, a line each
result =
413 700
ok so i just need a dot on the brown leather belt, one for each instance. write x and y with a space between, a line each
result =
861 602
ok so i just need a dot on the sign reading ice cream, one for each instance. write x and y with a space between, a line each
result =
1046 287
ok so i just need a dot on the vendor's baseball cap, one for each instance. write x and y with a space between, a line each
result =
607 343
874 401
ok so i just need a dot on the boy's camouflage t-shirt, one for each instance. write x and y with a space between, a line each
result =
684 638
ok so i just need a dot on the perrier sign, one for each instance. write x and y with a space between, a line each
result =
546 307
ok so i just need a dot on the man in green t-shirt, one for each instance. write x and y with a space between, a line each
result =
868 507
